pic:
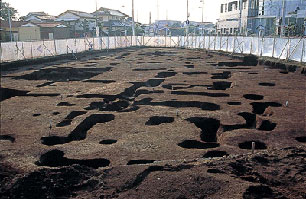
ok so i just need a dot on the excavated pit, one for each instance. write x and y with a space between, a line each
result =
250 122
224 75
189 65
108 142
266 125
67 121
36 115
100 81
148 69
165 74
45 84
157 120
146 92
7 93
214 154
221 85
194 144
253 97
65 104
111 106
133 162
301 139
248 145
200 93
266 84
207 106
55 158
8 138
258 192
80 132
260 107
62 74
208 126
234 103
195 73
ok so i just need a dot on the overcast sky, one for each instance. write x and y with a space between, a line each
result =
176 9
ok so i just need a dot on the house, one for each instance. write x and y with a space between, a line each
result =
8 32
81 24
167 27
38 17
43 31
116 28
106 14
261 16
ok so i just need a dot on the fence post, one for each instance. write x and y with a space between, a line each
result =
273 50
44 48
208 41
242 44
227 44
31 50
54 43
115 39
101 43
204 42
220 42
234 44
288 49
107 42
251 48
215 42
303 50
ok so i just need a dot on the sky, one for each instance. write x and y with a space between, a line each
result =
168 9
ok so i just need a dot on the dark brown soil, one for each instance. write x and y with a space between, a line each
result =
180 123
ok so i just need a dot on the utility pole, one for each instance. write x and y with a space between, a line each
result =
187 22
97 27
240 16
166 14
150 18
157 8
283 18
202 10
133 22
10 23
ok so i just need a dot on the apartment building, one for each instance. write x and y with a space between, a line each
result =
261 16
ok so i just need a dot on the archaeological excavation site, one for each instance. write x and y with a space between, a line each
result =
153 123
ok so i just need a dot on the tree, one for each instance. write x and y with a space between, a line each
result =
6 10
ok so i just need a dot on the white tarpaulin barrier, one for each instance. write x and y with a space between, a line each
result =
296 49
27 46
61 47
8 52
281 48
38 49
267 47
49 48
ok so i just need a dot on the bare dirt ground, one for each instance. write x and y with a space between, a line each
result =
153 123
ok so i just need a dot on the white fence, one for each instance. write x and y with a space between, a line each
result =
281 48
